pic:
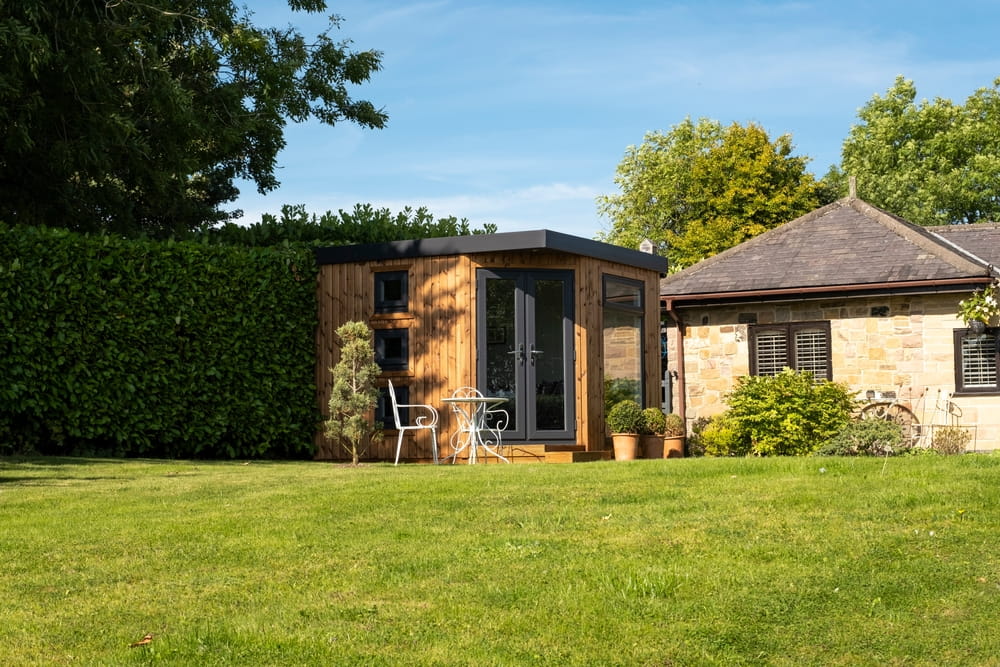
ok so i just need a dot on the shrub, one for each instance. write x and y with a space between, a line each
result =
866 437
787 413
950 440
673 426
625 417
717 437
654 422
695 441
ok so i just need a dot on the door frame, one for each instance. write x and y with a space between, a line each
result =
524 323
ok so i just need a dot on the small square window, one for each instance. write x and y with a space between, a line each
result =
392 349
391 292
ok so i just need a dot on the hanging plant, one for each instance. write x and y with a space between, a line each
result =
981 306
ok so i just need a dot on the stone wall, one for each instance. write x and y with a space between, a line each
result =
903 344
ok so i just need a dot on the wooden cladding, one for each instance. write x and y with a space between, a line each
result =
438 313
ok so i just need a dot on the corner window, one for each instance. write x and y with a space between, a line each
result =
623 313
802 346
392 349
977 357
391 292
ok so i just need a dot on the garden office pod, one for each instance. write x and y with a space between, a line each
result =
545 320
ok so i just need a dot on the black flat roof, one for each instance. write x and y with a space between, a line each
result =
542 239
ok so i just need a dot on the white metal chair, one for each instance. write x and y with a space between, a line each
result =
421 422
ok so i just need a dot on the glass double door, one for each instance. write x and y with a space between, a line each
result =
525 344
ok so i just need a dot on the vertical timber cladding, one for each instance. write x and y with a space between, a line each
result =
441 320
593 291
438 319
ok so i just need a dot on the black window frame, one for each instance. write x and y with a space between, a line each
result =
609 302
960 387
789 329
386 305
398 362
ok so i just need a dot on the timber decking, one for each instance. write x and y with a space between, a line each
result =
536 453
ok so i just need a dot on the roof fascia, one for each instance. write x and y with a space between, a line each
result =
543 239
947 286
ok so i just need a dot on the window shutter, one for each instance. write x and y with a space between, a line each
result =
771 351
979 361
812 352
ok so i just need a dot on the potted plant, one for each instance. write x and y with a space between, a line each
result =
979 308
654 425
624 422
674 433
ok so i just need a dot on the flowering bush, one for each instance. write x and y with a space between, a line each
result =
982 305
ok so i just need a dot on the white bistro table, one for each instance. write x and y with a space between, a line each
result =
472 412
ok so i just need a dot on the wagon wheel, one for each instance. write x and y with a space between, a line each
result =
893 412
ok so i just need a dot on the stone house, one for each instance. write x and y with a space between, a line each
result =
851 293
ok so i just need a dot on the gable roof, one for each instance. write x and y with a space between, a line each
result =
542 239
847 246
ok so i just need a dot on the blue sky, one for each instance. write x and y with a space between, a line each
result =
518 113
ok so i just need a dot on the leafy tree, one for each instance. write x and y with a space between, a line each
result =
137 117
354 393
931 163
364 224
702 188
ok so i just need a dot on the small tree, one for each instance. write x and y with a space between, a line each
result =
354 394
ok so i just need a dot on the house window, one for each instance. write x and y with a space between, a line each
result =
392 349
977 358
803 346
623 313
391 292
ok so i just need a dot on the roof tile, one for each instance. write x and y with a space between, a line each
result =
846 243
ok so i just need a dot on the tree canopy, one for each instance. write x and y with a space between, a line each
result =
137 117
703 187
932 163
365 224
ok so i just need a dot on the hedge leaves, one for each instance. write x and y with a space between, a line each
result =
142 348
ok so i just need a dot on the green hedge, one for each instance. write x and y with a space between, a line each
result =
142 348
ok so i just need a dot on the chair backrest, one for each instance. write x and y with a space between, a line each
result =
395 406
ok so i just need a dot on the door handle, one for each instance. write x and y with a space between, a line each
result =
518 353
534 353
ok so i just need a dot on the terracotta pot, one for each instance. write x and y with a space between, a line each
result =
626 445
652 446
673 447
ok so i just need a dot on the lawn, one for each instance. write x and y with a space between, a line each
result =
785 561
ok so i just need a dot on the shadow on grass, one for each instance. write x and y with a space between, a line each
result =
51 470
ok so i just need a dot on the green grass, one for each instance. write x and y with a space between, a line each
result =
697 561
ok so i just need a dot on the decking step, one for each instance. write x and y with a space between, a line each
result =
575 456
544 453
